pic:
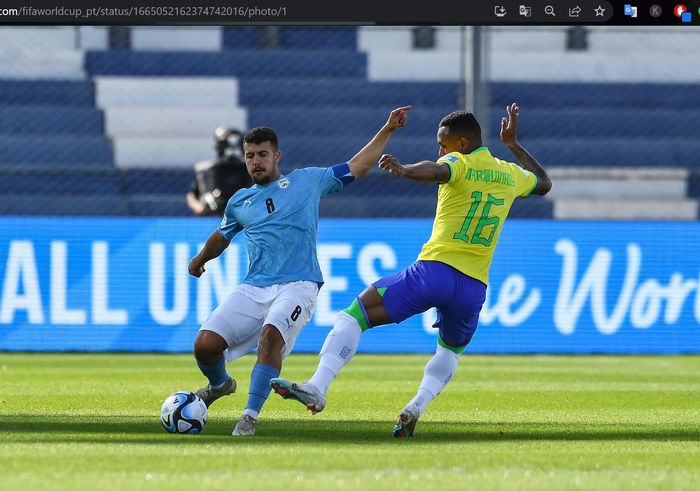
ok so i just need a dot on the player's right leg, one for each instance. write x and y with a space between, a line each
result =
208 352
232 328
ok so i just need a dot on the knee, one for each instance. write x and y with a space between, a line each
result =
208 346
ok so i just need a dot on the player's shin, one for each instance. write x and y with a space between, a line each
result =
215 372
259 388
437 374
338 349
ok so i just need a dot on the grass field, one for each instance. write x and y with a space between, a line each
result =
73 421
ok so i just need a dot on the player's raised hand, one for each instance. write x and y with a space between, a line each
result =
509 127
389 164
398 118
195 268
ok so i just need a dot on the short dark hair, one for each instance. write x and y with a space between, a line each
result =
462 123
261 134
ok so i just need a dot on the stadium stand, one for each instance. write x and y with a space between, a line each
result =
80 120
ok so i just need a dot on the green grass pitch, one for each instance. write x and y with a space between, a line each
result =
78 421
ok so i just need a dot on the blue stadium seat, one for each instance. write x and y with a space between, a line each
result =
353 92
241 37
46 93
282 63
602 95
158 181
297 37
532 207
309 37
694 184
330 121
72 150
63 205
158 205
599 123
608 152
302 151
43 121
51 180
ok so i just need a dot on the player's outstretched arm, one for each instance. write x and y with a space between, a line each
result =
424 171
509 135
365 158
213 247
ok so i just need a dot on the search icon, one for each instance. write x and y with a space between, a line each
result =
549 10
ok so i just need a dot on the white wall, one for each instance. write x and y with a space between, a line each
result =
167 121
176 38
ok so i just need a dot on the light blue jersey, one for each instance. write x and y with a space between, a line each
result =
280 223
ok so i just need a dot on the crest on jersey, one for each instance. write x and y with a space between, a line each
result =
283 183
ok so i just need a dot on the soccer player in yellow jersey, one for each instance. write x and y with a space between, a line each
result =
476 191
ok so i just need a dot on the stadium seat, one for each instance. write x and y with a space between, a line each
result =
158 205
69 94
50 120
603 95
297 37
92 151
79 180
63 205
344 122
351 92
157 181
335 37
282 63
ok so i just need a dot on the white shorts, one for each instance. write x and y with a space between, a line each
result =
240 317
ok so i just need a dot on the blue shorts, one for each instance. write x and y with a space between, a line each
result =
426 284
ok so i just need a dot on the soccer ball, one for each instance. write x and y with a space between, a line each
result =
183 412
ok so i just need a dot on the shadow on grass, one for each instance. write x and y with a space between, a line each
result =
48 428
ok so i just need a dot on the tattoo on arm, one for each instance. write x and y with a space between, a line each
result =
528 162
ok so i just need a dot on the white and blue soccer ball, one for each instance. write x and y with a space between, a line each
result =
183 412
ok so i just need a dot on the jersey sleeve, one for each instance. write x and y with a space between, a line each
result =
229 226
331 179
455 161
525 181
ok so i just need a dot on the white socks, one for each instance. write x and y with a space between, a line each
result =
338 349
438 372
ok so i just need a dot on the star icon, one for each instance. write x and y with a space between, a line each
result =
599 11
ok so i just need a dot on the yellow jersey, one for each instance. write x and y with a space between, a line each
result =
471 209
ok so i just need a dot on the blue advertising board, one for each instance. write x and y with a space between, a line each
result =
105 284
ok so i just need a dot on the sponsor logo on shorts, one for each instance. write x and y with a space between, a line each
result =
344 352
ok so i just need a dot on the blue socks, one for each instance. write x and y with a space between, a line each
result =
259 388
216 372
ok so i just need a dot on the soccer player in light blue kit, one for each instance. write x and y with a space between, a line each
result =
279 218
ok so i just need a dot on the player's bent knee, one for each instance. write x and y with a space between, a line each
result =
208 346
357 311
456 346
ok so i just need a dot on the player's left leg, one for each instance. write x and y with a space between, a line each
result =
289 312
436 375
457 322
